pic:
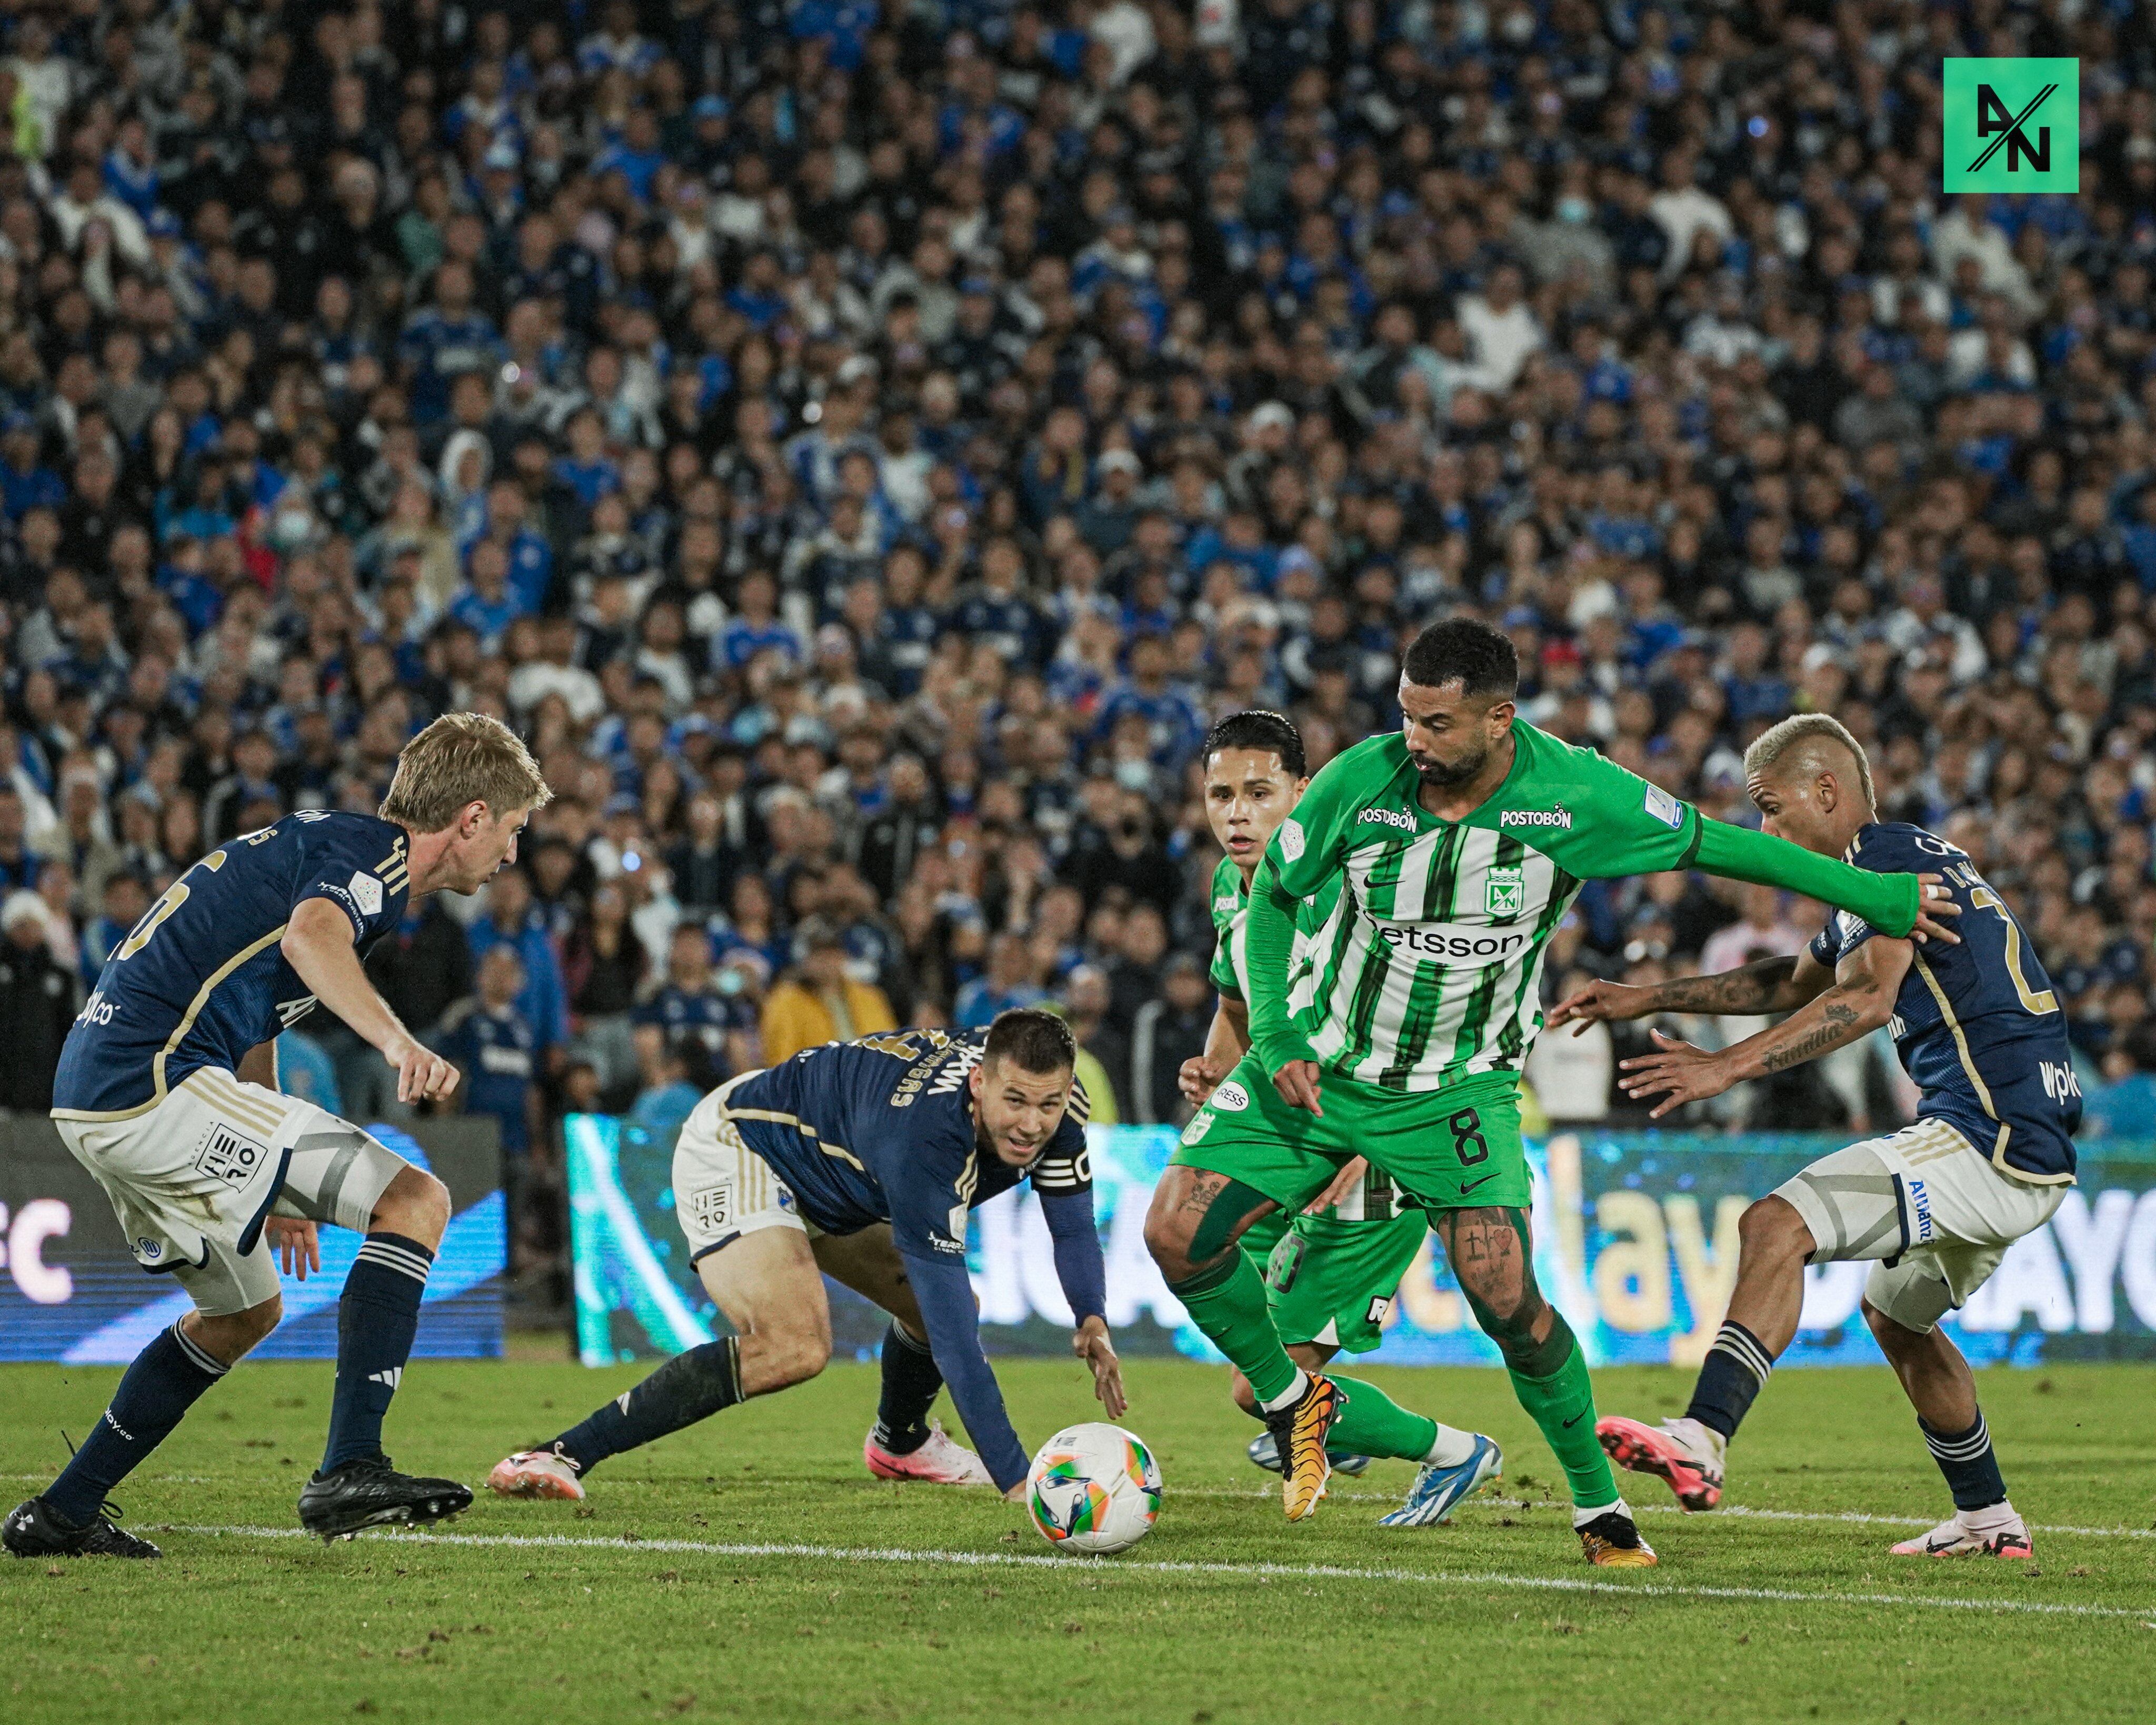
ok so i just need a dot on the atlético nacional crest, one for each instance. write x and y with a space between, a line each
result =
1506 892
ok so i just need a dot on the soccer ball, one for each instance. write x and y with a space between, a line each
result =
1093 1488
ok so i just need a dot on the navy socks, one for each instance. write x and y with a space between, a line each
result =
1736 1370
689 1387
911 1384
166 1380
376 1320
1966 1459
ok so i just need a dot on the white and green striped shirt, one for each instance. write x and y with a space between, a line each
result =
1428 968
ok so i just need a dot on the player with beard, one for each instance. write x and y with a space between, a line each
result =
1457 844
1332 1272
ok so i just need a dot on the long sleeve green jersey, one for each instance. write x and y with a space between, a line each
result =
1230 906
1428 967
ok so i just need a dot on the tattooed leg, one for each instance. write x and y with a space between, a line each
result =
1197 1217
1491 1257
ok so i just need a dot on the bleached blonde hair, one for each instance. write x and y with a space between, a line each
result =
458 759
1802 734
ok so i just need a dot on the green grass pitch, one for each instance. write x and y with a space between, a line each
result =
751 1569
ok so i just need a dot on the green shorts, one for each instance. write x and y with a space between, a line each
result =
1456 1148
1333 1281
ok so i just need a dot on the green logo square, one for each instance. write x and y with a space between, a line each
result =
1504 889
2012 126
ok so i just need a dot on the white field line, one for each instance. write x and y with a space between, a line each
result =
1728 1512
1256 1572
1484 1500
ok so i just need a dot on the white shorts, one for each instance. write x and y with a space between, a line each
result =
1925 1203
193 1179
723 1189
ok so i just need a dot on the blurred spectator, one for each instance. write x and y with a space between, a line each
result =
510 918
1103 1051
494 1048
816 1002
37 1000
666 1096
701 1025
1009 982
603 967
304 1068
1134 971
1167 1032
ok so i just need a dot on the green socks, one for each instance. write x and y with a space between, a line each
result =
1562 1404
1374 1423
1227 1303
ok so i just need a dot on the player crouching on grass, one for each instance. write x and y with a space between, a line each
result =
1933 1206
1331 1272
860 1160
165 1091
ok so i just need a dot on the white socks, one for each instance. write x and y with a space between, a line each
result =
1992 1518
1703 1438
1290 1396
1581 1517
1452 1447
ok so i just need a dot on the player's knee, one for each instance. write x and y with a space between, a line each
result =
1169 1232
1770 1226
416 1205
1498 1293
229 1335
803 1356
796 1352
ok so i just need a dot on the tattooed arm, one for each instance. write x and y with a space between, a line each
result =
1768 985
1860 999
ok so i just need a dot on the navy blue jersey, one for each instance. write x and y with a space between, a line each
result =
1978 1026
882 1130
200 980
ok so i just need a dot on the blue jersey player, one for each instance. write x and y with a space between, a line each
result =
1934 1206
166 1092
860 1160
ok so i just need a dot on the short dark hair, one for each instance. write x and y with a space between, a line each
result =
1032 1041
1467 651
1262 729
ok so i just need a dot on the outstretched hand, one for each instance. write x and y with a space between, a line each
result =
1090 1343
1599 1003
1350 1176
296 1244
1679 1073
1197 1078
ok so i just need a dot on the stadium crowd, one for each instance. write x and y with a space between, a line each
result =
861 447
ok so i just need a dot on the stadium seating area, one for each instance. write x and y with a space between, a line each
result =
862 447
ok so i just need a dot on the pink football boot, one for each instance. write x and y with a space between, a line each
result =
1670 1451
943 1460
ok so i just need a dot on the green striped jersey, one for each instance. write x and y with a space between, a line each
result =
1427 967
1376 1200
1231 916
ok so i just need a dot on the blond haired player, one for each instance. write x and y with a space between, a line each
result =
165 1092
